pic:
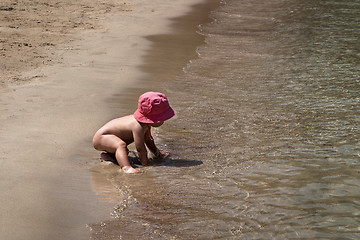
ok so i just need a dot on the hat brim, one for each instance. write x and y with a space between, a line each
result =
156 118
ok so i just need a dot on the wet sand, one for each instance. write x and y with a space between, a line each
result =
51 108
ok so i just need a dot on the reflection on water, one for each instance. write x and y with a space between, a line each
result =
270 114
101 182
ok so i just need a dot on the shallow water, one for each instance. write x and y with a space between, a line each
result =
266 139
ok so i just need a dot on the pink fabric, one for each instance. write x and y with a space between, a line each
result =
153 107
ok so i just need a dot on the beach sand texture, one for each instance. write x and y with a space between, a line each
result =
33 32
65 66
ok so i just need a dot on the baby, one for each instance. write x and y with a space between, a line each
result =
116 135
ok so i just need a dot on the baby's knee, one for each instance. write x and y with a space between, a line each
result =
99 143
121 145
95 143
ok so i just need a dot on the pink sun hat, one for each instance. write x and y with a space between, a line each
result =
153 108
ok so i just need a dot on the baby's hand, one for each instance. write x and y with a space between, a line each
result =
162 154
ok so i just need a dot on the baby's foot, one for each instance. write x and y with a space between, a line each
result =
129 169
108 157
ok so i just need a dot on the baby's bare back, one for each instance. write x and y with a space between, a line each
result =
122 127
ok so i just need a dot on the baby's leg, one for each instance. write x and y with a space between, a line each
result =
113 144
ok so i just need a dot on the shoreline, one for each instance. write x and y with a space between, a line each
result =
163 63
45 129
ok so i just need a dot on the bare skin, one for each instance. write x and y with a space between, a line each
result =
116 135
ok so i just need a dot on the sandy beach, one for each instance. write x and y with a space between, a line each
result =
32 33
66 68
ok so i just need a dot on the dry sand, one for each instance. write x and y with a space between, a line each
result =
65 67
32 32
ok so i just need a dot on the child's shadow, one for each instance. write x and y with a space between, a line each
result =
175 162
170 162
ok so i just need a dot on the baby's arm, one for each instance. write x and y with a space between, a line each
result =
139 141
152 147
150 144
